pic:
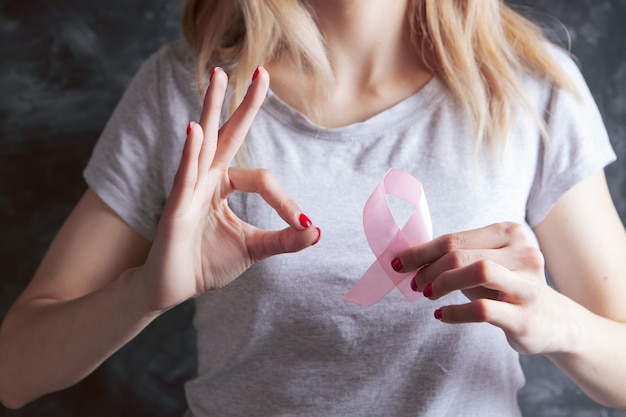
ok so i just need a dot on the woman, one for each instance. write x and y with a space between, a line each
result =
466 96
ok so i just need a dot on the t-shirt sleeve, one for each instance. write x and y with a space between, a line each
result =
577 147
124 167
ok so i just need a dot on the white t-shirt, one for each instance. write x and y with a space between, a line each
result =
279 340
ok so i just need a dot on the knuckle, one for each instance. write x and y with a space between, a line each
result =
264 179
268 186
287 205
413 258
283 242
533 291
423 276
482 312
483 269
533 258
514 232
458 259
451 242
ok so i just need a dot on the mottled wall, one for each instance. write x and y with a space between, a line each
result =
64 65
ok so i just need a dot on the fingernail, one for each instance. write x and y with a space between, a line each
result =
396 264
319 236
213 72
256 73
414 284
428 290
305 221
438 314
188 128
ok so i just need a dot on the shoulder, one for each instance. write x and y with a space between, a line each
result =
561 56
172 64
567 79
134 161
165 84
577 145
174 55
569 65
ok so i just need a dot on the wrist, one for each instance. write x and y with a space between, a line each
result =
565 328
590 353
134 288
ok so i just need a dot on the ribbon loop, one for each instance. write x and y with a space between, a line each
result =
386 239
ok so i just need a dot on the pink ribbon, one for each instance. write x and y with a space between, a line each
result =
387 240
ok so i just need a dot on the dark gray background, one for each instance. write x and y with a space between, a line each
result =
64 65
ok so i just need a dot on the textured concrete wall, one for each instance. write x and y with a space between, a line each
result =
64 65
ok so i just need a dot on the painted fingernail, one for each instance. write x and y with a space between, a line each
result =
414 284
305 221
256 73
438 314
188 128
213 73
396 264
319 236
428 290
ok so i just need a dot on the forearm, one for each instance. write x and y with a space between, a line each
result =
594 354
48 345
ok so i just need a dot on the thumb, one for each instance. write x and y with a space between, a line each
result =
268 243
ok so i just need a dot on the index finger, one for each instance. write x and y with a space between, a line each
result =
262 182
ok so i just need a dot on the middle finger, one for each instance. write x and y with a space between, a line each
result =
233 132
462 258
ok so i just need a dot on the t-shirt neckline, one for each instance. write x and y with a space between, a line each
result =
398 115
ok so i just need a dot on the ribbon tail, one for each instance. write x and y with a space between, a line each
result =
373 286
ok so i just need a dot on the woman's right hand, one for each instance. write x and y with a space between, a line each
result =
88 298
201 244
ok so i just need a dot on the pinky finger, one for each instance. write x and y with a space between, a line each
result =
187 174
482 310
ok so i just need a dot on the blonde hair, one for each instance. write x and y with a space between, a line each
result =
476 47
239 35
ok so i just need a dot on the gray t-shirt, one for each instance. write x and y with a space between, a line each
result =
279 340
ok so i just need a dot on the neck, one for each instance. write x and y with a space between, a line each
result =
367 40
374 61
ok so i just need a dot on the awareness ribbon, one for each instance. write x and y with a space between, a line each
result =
387 240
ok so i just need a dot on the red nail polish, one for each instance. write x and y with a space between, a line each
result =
256 73
396 264
215 69
438 314
428 290
414 284
305 221
319 236
188 128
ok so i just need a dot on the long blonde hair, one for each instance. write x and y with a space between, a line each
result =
476 47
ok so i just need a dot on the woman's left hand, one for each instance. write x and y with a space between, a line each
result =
502 273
